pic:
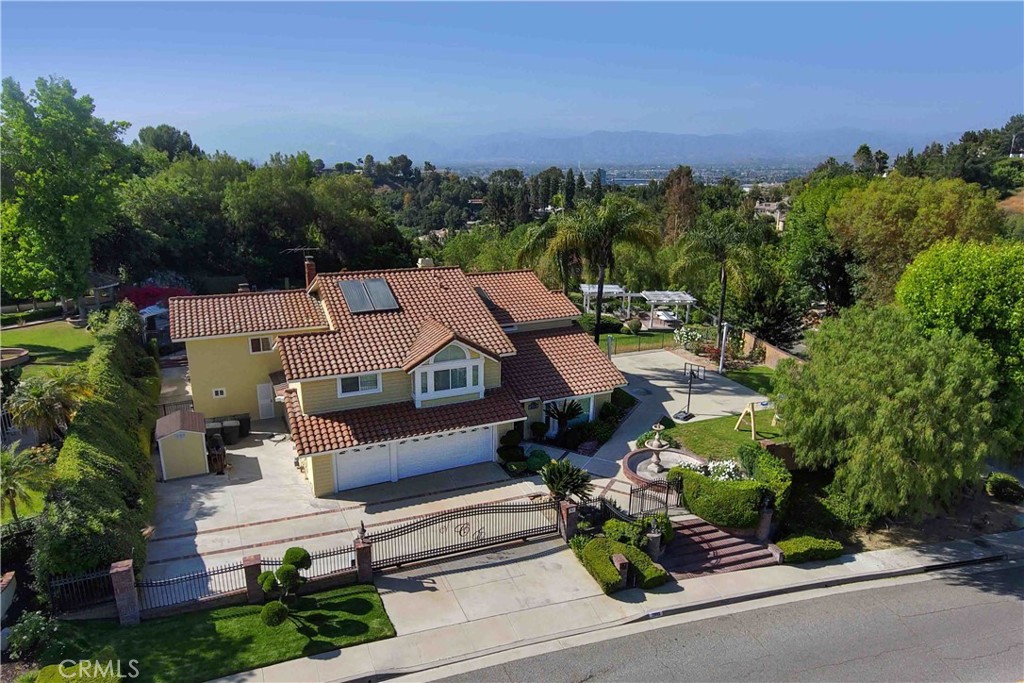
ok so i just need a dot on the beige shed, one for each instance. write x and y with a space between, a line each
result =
181 440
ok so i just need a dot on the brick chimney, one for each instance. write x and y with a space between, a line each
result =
310 270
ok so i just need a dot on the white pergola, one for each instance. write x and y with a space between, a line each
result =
670 298
610 291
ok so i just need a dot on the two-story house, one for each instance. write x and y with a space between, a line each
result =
390 374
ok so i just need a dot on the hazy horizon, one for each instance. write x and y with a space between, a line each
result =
343 79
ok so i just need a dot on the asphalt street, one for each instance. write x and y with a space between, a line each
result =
960 626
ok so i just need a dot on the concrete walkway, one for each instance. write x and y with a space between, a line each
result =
657 380
427 648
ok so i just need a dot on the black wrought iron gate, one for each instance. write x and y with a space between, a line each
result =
454 531
649 499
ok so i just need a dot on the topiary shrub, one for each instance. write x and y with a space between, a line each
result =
596 558
625 532
274 614
512 437
537 459
298 558
538 430
633 326
734 504
510 454
1004 487
808 549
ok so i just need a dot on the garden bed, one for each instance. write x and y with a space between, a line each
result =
201 646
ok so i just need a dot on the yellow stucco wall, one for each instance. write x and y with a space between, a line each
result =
321 395
227 363
492 373
321 474
183 454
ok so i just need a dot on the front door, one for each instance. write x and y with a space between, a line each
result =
265 396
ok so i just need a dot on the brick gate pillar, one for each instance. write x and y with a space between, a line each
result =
252 565
122 578
568 517
364 556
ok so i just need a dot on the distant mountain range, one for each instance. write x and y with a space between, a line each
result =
607 148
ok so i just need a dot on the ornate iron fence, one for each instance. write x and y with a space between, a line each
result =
455 531
68 593
648 499
191 587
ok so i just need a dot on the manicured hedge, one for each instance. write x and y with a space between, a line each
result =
103 493
773 473
733 504
609 323
597 559
809 548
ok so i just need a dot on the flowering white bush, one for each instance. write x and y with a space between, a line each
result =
724 470
688 337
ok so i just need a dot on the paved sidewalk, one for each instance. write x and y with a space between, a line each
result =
430 647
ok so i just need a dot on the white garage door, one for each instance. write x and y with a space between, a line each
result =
362 468
444 452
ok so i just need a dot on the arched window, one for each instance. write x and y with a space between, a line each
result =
450 352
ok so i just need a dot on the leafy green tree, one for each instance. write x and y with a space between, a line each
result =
864 161
816 265
722 240
976 289
570 190
581 186
169 140
891 220
595 230
767 304
59 168
507 202
596 188
904 419
881 162
22 475
546 240
681 202
269 211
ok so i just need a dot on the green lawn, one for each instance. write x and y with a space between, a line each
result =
758 378
203 645
716 439
31 509
56 343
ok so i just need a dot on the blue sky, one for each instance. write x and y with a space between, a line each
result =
252 78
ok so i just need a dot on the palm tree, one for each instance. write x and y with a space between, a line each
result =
21 475
48 403
562 413
547 240
597 228
723 240
564 479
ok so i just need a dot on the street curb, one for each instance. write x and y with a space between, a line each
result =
880 574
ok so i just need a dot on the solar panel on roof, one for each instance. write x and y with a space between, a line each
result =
380 294
356 298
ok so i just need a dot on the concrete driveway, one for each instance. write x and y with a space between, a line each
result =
263 505
657 380
491 591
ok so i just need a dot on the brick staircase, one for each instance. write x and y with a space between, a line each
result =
700 548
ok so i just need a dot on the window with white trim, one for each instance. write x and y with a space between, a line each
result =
260 345
359 384
452 371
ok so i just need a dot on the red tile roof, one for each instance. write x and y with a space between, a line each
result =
519 296
557 363
180 420
250 312
432 338
378 340
314 434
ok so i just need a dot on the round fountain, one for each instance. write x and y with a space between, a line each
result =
652 459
